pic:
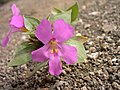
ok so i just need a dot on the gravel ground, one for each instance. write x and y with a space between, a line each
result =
99 20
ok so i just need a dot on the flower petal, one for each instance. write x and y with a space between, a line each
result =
15 10
70 55
55 66
39 55
44 31
6 39
17 21
62 30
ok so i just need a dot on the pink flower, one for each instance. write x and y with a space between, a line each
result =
16 24
54 48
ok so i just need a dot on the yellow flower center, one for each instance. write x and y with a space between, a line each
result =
53 44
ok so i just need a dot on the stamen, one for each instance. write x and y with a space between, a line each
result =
51 51
53 45
56 50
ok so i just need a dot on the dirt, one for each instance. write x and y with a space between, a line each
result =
99 20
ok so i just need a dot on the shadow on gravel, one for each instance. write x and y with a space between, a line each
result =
2 2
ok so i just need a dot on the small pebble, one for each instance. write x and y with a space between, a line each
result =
84 88
95 13
87 78
116 85
1 83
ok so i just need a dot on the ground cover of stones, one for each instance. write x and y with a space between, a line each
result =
99 20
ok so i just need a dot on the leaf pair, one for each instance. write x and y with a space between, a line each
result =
70 15
22 54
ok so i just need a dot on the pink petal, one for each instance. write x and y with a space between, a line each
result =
44 31
15 29
70 55
39 55
62 30
6 39
17 21
15 10
55 65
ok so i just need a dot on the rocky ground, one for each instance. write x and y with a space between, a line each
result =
99 20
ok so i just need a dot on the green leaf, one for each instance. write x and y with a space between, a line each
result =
25 47
75 12
64 15
48 17
19 60
80 38
31 23
38 67
56 11
32 35
74 22
80 49
22 54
